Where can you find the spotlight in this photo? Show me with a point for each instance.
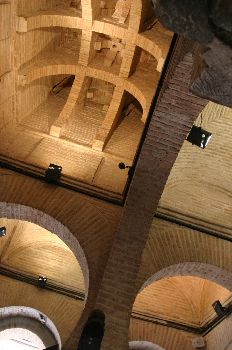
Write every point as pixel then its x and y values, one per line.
pixel 42 281
pixel 2 231
pixel 53 173
pixel 199 137
pixel 219 309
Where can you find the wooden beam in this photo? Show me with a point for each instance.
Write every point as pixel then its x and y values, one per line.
pixel 65 114
pixel 87 11
pixel 87 47
pixel 43 20
pixel 135 15
pixel 111 119
pixel 127 61
pixel 122 10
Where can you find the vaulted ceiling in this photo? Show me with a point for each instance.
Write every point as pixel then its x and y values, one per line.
pixel 199 187
pixel 81 92
pixel 77 80
pixel 186 300
pixel 29 251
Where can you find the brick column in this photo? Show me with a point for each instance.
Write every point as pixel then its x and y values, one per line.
pixel 172 119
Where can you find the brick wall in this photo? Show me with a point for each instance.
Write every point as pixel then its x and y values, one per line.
pixel 171 121
pixel 172 250
pixel 68 214
pixel 164 337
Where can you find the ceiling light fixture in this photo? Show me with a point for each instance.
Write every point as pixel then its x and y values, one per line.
pixel 218 308
pixel 42 281
pixel 199 137
pixel 2 231
pixel 53 173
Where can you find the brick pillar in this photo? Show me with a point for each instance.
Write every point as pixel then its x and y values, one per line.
pixel 172 119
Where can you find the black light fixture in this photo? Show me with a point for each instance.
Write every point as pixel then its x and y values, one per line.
pixel 93 332
pixel 53 173
pixel 54 347
pixel 199 137
pixel 219 309
pixel 123 166
pixel 42 281
pixel 2 231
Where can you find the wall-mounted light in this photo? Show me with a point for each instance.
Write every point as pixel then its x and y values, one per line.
pixel 42 281
pixel 199 137
pixel 53 173
pixel 2 231
pixel 123 166
pixel 218 308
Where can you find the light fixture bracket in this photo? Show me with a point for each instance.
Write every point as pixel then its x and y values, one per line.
pixel 42 281
pixel 53 173
pixel 199 137
pixel 219 309
pixel 2 231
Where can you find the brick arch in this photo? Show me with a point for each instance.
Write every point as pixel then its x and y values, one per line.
pixel 135 15
pixel 50 70
pixel 210 272
pixel 87 9
pixel 33 320
pixel 26 213
pixel 144 345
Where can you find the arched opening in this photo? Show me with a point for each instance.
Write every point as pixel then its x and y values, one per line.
pixel 24 328
pixel 175 304
pixel 40 113
pixel 181 299
pixel 30 251
pixel 207 271
pixel 25 213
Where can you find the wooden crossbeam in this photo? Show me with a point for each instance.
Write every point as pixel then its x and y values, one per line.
pixel 65 114
pixel 122 10
pixel 127 61
pixel 111 119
